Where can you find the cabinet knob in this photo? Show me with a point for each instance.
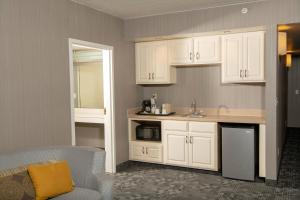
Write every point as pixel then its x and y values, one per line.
pixel 246 73
pixel 149 76
pixel 198 55
pixel 186 139
pixel 191 139
pixel 146 150
pixel 153 76
pixel 191 56
pixel 143 150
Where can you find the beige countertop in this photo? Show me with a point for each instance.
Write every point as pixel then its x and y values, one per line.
pixel 251 119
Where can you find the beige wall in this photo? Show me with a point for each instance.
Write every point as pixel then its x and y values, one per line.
pixel 204 85
pixel 34 78
pixel 265 13
pixel 90 135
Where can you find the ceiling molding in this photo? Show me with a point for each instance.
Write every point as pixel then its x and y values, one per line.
pixel 157 13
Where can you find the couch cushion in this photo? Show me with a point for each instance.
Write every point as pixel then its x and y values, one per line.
pixel 80 194
pixel 50 179
pixel 17 187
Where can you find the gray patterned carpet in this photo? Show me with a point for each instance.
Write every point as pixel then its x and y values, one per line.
pixel 150 181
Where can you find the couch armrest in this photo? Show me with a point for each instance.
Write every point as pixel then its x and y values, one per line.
pixel 85 163
pixel 104 184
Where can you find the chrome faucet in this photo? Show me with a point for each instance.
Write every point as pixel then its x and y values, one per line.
pixel 194 107
pixel 222 106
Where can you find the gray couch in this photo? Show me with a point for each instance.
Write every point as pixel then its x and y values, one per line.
pixel 87 165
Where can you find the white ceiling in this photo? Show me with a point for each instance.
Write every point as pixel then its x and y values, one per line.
pixel 127 9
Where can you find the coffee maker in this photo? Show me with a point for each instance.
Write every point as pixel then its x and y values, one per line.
pixel 146 106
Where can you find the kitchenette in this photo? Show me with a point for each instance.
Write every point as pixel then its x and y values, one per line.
pixel 203 104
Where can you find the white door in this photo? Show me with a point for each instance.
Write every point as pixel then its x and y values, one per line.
pixel 207 49
pixel 202 150
pixel 232 58
pixel 161 68
pixel 97 115
pixel 253 56
pixel 181 51
pixel 144 61
pixel 176 148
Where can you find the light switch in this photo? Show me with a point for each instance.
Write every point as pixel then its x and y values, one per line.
pixel 297 92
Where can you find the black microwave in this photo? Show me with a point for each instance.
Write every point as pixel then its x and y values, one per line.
pixel 150 132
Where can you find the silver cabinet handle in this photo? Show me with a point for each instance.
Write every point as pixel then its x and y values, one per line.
pixel 186 139
pixel 143 150
pixel 246 72
pixel 241 71
pixel 153 76
pixel 149 76
pixel 197 55
pixel 146 150
pixel 191 56
pixel 191 139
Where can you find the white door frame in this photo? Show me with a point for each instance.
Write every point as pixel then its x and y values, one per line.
pixel 109 101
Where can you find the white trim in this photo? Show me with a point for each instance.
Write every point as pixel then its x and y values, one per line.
pixel 262 150
pixel 86 115
pixel 94 115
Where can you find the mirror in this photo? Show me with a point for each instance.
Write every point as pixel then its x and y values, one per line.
pixel 88 78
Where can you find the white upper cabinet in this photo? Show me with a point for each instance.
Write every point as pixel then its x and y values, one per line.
pixel 143 54
pixel 253 56
pixel 152 66
pixel 192 51
pixel 207 50
pixel 243 57
pixel 232 54
pixel 181 51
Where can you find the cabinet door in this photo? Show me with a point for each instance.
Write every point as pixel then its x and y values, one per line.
pixel 207 50
pixel 181 51
pixel 176 148
pixel 144 61
pixel 202 150
pixel 137 152
pixel 253 56
pixel 232 58
pixel 161 67
pixel 154 153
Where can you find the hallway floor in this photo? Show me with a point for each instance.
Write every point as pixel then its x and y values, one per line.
pixel 151 181
pixel 289 175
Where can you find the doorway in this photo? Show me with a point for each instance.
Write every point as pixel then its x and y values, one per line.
pixel 92 98
pixel 288 89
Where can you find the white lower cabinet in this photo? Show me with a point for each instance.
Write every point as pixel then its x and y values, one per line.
pixel 202 150
pixel 197 147
pixel 145 151
pixel 176 148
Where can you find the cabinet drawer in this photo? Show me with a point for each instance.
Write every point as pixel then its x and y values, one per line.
pixel 175 125
pixel 209 127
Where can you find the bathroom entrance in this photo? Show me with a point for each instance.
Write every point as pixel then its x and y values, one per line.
pixel 92 97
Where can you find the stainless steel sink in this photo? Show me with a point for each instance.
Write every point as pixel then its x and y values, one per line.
pixel 197 115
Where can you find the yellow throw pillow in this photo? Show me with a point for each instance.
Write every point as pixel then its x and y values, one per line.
pixel 50 179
